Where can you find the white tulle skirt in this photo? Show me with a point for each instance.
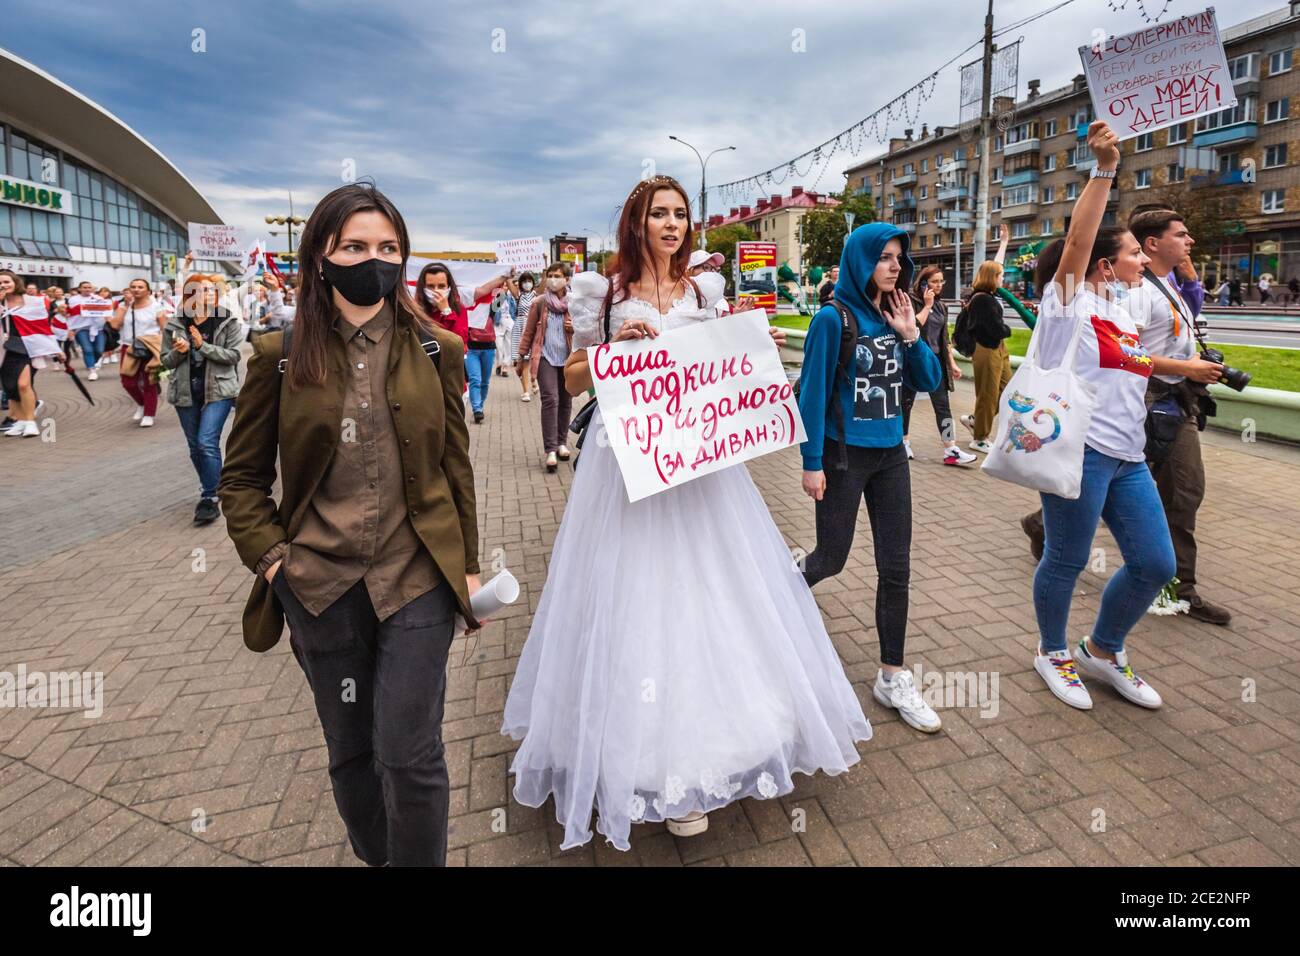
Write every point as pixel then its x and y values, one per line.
pixel 677 660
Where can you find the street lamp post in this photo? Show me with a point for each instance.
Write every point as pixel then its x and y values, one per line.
pixel 290 221
pixel 704 165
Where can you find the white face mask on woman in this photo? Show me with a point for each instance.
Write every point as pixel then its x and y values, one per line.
pixel 555 283
pixel 526 286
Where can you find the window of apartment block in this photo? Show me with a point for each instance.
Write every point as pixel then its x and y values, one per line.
pixel 1272 200
pixel 925 192
pixel 1277 110
pixel 997 143
pixel 1279 62
pixel 1177 134
pixel 1244 67
pixel 1144 142
pixel 1049 194
pixel 1243 112
pixel 1049 162
pixel 908 169
pixel 1018 195
pixel 1275 155
pixel 1143 179
pixel 924 217
pixel 1229 162
pixel 1050 128
pixel 891 199
pixel 1176 172
pixel 921 242
pixel 1020 230
pixel 997 174
pixel 1071 191
pixel 925 165
pixel 997 203
pixel 1045 228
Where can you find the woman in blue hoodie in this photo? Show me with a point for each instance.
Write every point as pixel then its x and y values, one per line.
pixel 853 417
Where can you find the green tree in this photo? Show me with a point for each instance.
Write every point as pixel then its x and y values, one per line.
pixel 723 239
pixel 824 229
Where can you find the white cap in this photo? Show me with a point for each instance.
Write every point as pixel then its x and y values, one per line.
pixel 701 256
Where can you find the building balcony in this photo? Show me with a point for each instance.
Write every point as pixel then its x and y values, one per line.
pixel 956 221
pixel 1236 133
pixel 1020 177
pixel 951 193
pixel 1084 167
pixel 952 166
pixel 1231 178
pixel 908 227
pixel 1020 210
pixel 1246 86
pixel 1030 145
pixel 905 202
pixel 907 179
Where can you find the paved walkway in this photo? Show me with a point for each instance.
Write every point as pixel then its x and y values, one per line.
pixel 209 754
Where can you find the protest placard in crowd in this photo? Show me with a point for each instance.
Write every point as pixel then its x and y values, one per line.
pixel 693 401
pixel 217 241
pixel 523 254
pixel 1159 76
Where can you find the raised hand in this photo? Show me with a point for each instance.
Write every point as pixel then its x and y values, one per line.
pixel 1104 145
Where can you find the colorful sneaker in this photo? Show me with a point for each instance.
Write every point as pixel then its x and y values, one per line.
pixel 901 694
pixel 969 422
pixel 1058 673
pixel 982 447
pixel 952 455
pixel 1119 675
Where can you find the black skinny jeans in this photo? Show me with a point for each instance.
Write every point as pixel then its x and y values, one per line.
pixel 881 477
pixel 379 689
pixel 942 412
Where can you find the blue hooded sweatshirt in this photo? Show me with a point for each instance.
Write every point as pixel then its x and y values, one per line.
pixel 882 366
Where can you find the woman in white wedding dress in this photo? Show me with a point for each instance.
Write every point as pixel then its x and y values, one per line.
pixel 677 661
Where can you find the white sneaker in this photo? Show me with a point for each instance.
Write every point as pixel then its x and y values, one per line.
pixel 907 447
pixel 23 430
pixel 526 397
pixel 982 447
pixel 1119 675
pixel 94 375
pixel 969 422
pixel 139 413
pixel 952 455
pixel 693 824
pixel 901 694
pixel 40 403
pixel 1059 674
pixel 146 421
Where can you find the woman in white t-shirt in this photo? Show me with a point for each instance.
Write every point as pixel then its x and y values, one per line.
pixel 1085 278
pixel 139 319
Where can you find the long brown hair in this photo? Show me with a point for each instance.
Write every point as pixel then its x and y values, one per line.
pixel 453 293
pixel 315 312
pixel 923 280
pixel 633 257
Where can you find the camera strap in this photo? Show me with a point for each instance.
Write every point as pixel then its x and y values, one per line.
pixel 1175 305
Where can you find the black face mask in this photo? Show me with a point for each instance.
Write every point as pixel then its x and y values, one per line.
pixel 364 283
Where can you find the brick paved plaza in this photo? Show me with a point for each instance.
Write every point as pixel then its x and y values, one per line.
pixel 102 570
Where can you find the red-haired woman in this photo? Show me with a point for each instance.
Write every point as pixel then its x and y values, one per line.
pixel 677 661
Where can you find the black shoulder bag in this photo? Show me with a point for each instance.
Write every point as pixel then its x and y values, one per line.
pixel 138 349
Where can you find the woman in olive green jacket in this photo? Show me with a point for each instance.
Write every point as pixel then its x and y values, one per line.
pixel 373 547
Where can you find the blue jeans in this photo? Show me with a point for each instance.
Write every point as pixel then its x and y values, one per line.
pixel 92 346
pixel 202 426
pixel 478 369
pixel 1124 495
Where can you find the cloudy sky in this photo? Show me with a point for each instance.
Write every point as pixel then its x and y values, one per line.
pixel 486 120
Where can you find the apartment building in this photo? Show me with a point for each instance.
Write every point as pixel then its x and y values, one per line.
pixel 776 219
pixel 1040 161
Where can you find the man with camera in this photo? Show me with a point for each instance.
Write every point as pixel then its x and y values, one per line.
pixel 1178 401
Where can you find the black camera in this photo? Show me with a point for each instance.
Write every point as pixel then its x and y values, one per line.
pixel 1234 378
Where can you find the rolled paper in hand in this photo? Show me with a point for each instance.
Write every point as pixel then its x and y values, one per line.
pixel 501 591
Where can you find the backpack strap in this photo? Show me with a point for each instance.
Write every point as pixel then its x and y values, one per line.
pixel 847 327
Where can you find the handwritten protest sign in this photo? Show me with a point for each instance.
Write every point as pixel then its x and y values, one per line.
pixel 1159 76
pixel 522 253
pixel 215 241
pixel 693 401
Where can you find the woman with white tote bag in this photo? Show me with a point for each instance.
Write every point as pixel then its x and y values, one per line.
pixel 1087 337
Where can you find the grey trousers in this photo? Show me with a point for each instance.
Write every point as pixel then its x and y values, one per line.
pixel 379 689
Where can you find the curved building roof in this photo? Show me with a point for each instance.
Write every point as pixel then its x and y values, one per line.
pixel 52 111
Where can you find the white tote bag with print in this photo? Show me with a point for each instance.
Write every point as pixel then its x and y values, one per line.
pixel 1043 419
